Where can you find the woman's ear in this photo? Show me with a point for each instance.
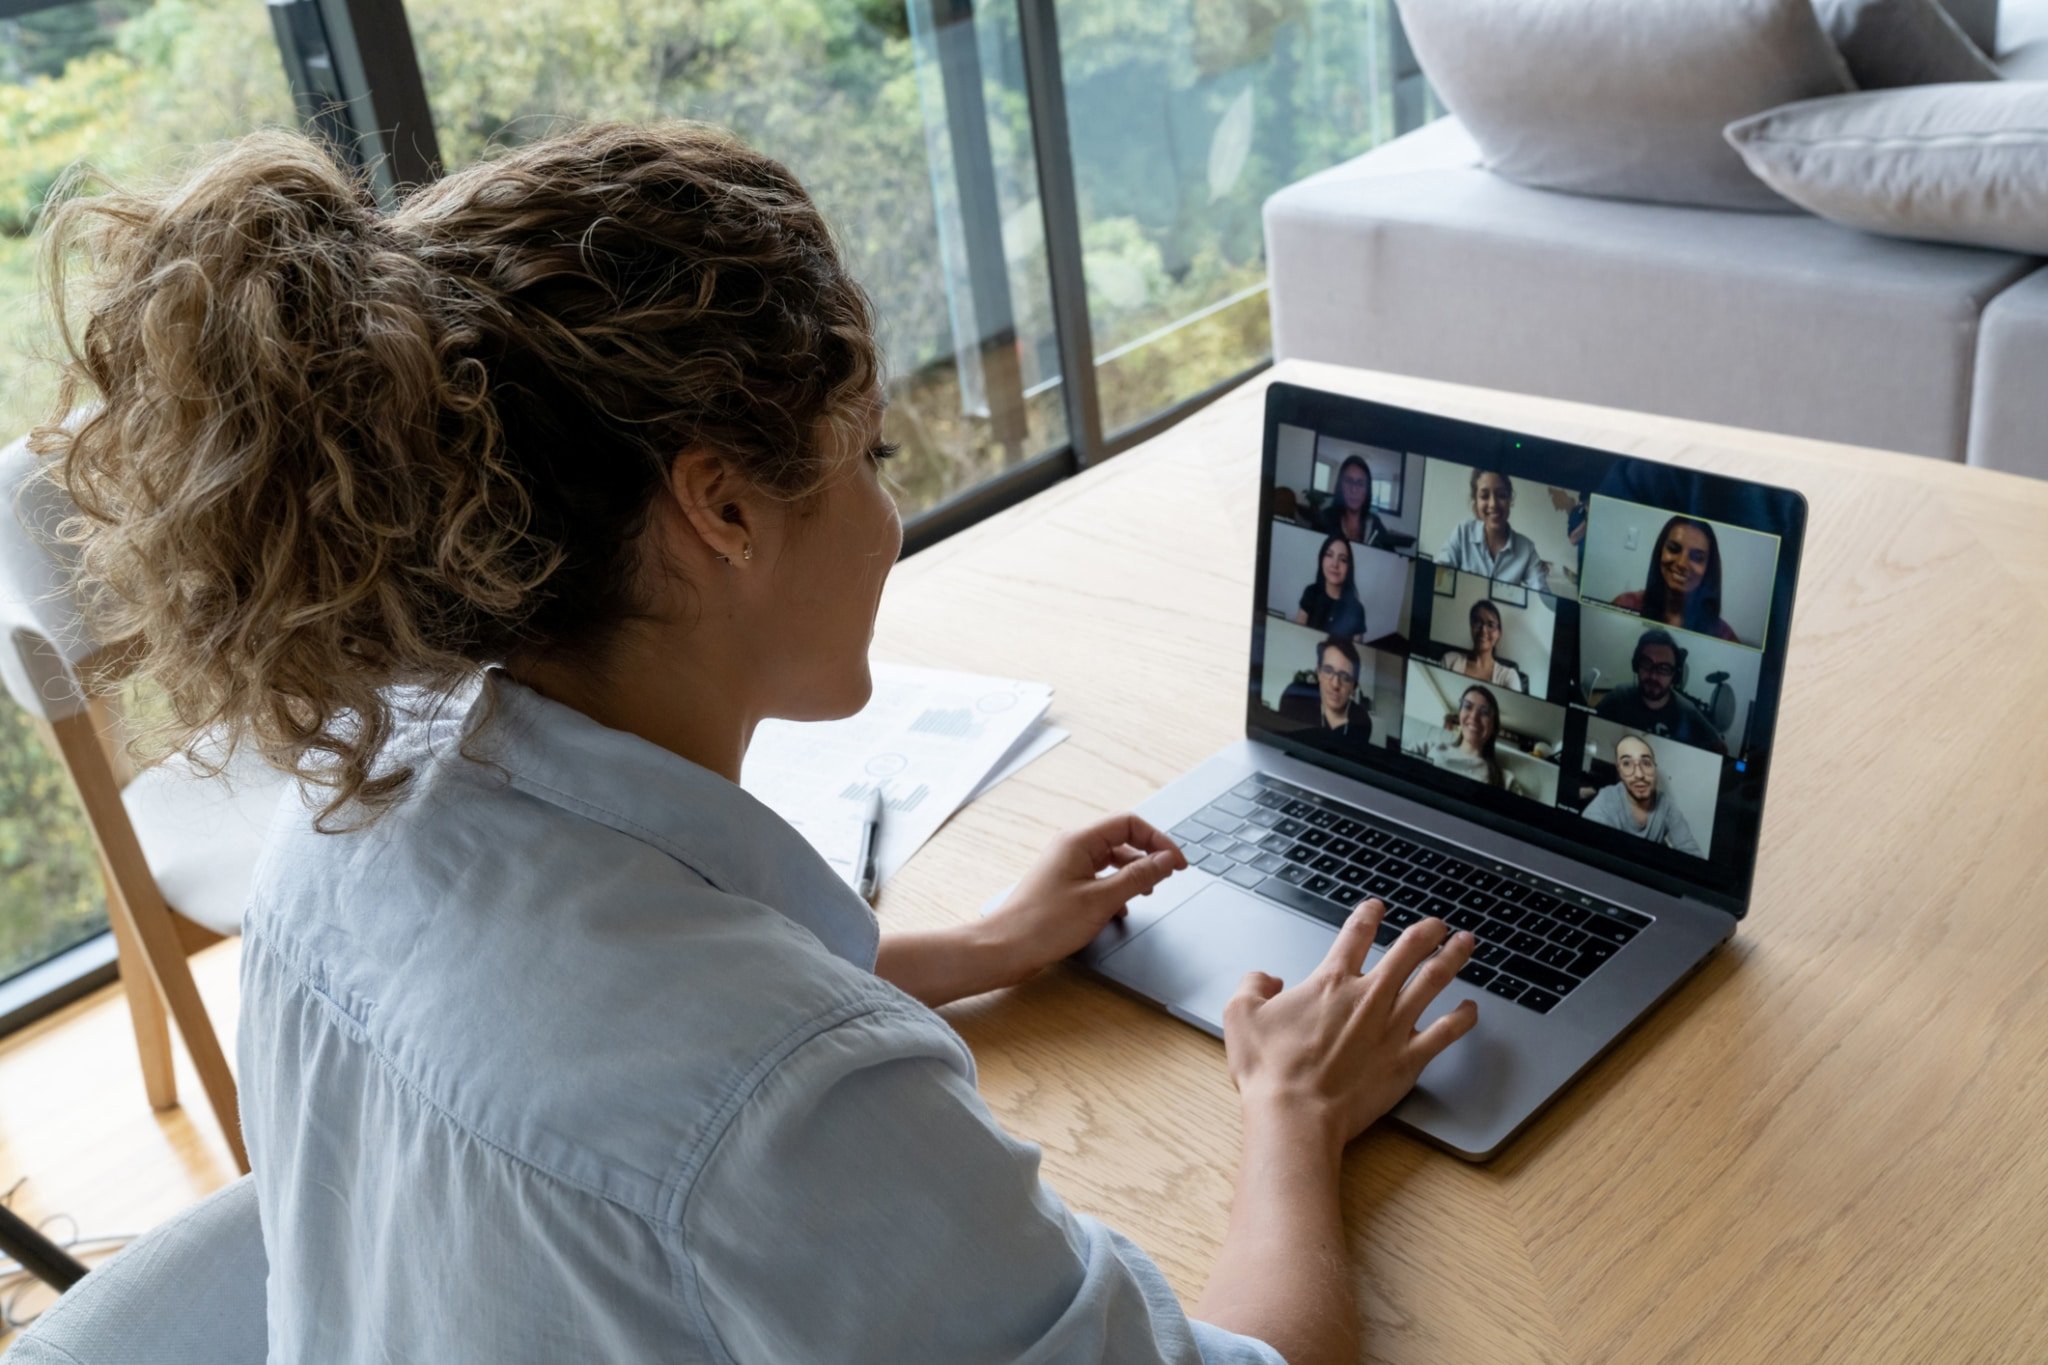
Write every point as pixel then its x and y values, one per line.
pixel 714 504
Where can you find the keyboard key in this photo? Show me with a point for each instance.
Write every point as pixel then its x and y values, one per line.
pixel 1300 853
pixel 1481 881
pixel 1295 875
pixel 1394 867
pixel 1568 936
pixel 1539 1000
pixel 1505 987
pixel 1314 838
pixel 1319 885
pixel 1536 974
pixel 1291 828
pixel 1323 819
pixel 1544 903
pixel 1514 893
pixel 1422 881
pixel 1476 973
pixel 1383 887
pixel 1299 810
pixel 1188 832
pixel 1402 917
pixel 1263 818
pixel 1552 955
pixel 1492 954
pixel 1376 838
pixel 1250 789
pixel 1522 941
pixel 1218 843
pixel 1272 800
pixel 1245 876
pixel 1478 900
pixel 1569 914
pixel 1613 930
pixel 1269 864
pixel 1353 875
pixel 1464 919
pixel 1456 870
pixel 1341 846
pixel 1347 829
pixel 1235 805
pixel 1328 865
pixel 1591 957
pixel 1369 858
pixel 1426 857
pixel 1217 820
pixel 1216 864
pixel 1493 931
pixel 1508 914
pixel 1400 848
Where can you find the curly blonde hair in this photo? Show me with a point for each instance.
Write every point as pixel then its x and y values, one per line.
pixel 336 450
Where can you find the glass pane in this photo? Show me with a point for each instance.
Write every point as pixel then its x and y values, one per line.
pixel 851 95
pixel 130 87
pixel 1184 118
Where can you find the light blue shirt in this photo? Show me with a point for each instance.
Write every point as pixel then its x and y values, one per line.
pixel 1518 562
pixel 577 1055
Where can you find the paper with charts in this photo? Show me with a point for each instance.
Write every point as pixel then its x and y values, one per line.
pixel 931 739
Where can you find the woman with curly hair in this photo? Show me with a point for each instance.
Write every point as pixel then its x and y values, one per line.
pixel 501 519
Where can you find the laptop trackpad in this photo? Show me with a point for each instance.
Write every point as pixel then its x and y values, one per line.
pixel 1194 957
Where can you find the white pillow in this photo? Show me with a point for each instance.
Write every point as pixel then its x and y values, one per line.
pixel 1625 98
pixel 1944 163
pixel 1902 42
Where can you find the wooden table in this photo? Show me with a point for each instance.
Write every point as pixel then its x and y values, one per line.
pixel 1831 1144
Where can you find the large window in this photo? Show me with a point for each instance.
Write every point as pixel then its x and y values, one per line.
pixel 1055 203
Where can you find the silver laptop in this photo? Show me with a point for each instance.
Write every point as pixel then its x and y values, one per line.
pixel 1522 685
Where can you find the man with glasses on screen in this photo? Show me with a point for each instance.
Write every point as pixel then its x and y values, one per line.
pixel 1640 804
pixel 1653 703
pixel 1340 723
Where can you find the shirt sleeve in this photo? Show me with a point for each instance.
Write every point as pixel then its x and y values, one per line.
pixel 864 1206
pixel 1677 832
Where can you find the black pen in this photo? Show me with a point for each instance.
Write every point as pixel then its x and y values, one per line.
pixel 870 842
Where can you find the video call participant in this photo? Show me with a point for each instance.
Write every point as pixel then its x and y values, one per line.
pixel 1349 514
pixel 1487 545
pixel 1653 704
pixel 1472 753
pixel 1330 604
pixel 1639 804
pixel 1683 585
pixel 1338 721
pixel 1484 619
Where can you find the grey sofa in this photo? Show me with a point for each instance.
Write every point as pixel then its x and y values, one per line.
pixel 1414 258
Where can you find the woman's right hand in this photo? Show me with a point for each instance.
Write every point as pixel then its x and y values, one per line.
pixel 1341 1048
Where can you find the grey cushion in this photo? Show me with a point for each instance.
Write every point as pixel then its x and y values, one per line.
pixel 2027 62
pixel 189 1293
pixel 1978 19
pixel 2009 416
pixel 1944 163
pixel 1902 42
pixel 1787 323
pixel 1625 98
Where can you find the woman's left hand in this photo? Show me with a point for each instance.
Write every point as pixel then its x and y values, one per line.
pixel 1065 900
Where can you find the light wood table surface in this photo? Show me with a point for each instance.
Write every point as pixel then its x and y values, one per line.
pixel 1831 1144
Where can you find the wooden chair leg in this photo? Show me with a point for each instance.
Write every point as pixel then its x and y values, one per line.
pixel 145 1011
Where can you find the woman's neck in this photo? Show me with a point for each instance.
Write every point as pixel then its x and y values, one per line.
pixel 1332 591
pixel 1479 663
pixel 1496 541
pixel 654 694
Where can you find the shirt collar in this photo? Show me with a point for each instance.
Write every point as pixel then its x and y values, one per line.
pixel 709 825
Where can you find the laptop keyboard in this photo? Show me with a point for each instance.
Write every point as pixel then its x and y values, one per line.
pixel 1538 941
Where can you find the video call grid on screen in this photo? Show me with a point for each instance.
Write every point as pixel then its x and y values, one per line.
pixel 1578 641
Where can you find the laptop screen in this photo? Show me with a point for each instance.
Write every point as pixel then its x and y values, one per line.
pixel 1581 648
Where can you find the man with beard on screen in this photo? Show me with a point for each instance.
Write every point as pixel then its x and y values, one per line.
pixel 1640 804
pixel 1653 704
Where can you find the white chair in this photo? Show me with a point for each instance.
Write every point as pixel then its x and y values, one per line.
pixel 176 848
pixel 189 1293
